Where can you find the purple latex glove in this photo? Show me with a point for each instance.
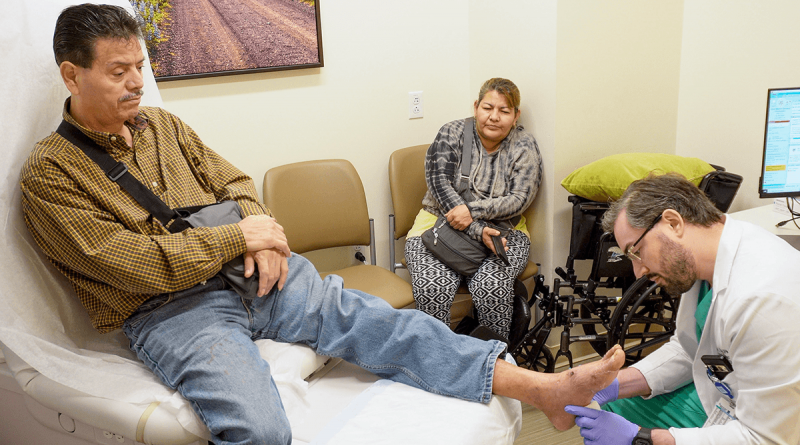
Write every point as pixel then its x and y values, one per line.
pixel 607 394
pixel 602 427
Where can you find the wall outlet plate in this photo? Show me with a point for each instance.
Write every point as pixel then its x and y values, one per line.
pixel 415 105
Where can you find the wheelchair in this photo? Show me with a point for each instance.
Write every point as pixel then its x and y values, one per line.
pixel 640 318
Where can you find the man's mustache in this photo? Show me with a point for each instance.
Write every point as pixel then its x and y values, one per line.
pixel 134 95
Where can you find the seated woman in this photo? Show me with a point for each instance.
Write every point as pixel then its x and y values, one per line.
pixel 505 173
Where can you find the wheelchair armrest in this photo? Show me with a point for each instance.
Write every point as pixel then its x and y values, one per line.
pixel 721 187
pixel 718 168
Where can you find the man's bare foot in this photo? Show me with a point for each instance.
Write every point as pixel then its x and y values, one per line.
pixel 577 386
pixel 552 392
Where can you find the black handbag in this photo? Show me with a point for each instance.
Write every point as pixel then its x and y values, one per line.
pixel 175 220
pixel 453 247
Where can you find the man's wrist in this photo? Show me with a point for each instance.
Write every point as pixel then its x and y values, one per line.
pixel 643 437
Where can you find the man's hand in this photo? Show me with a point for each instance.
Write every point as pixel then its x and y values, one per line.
pixel 262 232
pixel 488 232
pixel 272 268
pixel 459 217
pixel 602 427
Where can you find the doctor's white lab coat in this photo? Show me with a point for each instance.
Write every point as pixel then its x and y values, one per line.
pixel 754 320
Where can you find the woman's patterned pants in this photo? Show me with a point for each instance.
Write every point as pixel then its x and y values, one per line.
pixel 492 286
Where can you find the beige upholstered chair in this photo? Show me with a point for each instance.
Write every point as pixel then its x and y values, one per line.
pixel 408 187
pixel 321 204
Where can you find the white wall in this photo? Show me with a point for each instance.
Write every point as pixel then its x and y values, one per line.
pixel 733 51
pixel 355 107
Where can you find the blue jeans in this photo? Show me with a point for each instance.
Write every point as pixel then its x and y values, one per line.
pixel 200 342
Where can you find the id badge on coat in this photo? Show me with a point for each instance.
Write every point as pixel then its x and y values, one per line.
pixel 724 412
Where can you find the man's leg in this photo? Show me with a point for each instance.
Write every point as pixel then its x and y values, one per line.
pixel 199 343
pixel 407 346
pixel 680 409
pixel 411 347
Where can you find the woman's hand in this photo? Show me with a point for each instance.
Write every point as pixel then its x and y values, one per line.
pixel 459 217
pixel 488 233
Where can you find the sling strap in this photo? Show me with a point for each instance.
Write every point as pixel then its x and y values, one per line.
pixel 466 149
pixel 118 172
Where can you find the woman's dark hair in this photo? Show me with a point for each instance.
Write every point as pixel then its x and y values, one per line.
pixel 79 27
pixel 504 87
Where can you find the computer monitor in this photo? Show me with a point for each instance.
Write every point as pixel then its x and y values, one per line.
pixel 780 166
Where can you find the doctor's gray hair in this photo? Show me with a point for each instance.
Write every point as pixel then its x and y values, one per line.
pixel 79 27
pixel 647 198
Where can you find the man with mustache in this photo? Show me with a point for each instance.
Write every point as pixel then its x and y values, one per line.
pixel 162 289
pixel 729 374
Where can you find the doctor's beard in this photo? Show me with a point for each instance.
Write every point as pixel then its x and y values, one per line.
pixel 680 272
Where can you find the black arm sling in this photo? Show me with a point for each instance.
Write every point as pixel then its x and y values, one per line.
pixel 175 220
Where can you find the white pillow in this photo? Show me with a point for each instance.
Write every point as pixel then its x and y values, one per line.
pixel 291 360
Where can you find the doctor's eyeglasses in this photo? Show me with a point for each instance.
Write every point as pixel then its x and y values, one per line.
pixel 635 255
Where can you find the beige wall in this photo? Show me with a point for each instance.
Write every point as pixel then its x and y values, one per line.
pixel 617 87
pixel 733 51
pixel 355 107
pixel 597 78
pixel 521 46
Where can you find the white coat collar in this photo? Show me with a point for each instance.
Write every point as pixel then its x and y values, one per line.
pixel 726 252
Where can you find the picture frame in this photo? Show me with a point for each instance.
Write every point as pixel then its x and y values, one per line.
pixel 189 39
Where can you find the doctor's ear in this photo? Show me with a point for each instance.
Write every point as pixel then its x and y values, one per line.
pixel 675 221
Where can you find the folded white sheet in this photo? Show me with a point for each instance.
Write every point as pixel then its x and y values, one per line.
pixel 400 414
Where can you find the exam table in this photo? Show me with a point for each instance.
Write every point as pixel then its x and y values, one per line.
pixel 62 382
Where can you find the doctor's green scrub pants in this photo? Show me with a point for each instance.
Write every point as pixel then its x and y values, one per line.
pixel 680 408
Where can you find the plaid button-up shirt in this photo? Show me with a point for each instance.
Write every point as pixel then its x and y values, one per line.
pixel 115 254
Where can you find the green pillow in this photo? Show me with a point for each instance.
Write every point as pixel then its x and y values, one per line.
pixel 606 179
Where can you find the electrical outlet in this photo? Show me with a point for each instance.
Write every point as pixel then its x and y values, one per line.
pixel 415 104
pixel 359 255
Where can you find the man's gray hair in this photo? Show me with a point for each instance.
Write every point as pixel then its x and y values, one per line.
pixel 647 198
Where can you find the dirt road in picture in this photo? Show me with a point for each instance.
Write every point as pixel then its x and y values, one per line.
pixel 206 36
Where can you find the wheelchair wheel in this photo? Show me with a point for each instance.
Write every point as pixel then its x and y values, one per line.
pixel 643 319
pixel 543 362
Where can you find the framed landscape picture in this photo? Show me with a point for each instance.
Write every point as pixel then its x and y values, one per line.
pixel 201 38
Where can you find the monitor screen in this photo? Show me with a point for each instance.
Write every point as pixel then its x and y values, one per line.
pixel 780 166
